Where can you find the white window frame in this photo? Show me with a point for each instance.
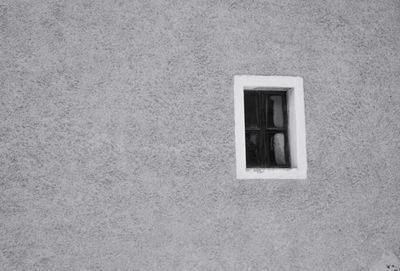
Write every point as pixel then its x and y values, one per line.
pixel 296 126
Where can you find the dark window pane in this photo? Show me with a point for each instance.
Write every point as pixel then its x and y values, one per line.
pixel 278 149
pixel 252 151
pixel 274 111
pixel 250 109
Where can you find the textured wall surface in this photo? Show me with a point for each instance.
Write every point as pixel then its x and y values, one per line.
pixel 117 135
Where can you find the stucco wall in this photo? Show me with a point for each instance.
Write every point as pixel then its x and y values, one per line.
pixel 117 135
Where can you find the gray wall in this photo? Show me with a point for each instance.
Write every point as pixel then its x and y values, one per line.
pixel 117 135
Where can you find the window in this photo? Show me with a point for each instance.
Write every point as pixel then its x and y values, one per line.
pixel 266 129
pixel 270 127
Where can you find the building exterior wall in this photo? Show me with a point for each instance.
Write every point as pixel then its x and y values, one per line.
pixel 117 135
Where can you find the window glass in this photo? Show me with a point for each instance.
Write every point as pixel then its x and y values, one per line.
pixel 266 129
pixel 274 111
pixel 251 114
pixel 252 143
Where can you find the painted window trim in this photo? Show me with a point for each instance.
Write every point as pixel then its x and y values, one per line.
pixel 296 126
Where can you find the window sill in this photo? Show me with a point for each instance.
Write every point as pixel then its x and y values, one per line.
pixel 272 173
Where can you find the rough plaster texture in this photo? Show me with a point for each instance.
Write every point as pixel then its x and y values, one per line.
pixel 388 262
pixel 117 135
